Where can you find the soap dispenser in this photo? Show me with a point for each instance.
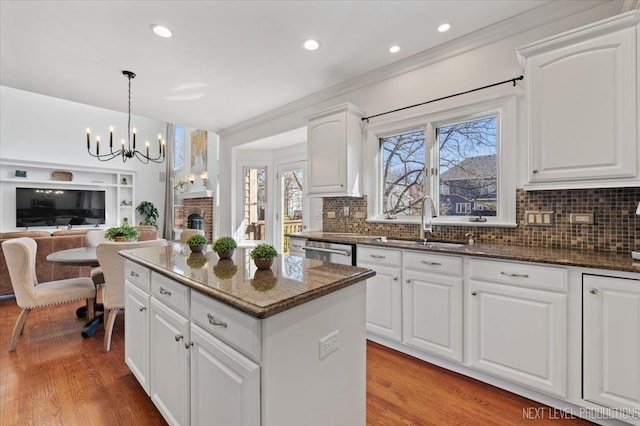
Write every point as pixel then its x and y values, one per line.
pixel 470 236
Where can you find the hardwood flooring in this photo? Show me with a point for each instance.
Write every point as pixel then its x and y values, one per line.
pixel 58 378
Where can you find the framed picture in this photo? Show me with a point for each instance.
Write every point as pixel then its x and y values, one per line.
pixel 178 147
pixel 198 151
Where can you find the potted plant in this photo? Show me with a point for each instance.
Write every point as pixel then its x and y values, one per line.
pixel 150 213
pixel 263 255
pixel 224 246
pixel 225 269
pixel 122 233
pixel 197 242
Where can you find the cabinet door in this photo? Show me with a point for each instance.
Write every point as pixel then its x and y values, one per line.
pixel 519 334
pixel 225 385
pixel 432 313
pixel 611 368
pixel 327 139
pixel 136 333
pixel 169 375
pixel 582 100
pixel 384 302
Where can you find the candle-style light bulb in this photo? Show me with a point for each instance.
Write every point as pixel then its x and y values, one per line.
pixel 164 149
pixel 122 150
pixel 147 148
pixel 159 144
pixel 111 137
pixel 134 138
pixel 98 145
pixel 88 139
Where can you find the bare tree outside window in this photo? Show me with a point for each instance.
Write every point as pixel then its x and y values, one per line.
pixel 466 176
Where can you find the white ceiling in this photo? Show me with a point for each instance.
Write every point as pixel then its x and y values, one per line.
pixel 227 60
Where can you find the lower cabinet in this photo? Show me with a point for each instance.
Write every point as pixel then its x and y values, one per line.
pixel 519 334
pixel 611 333
pixel 225 385
pixel 169 373
pixel 136 336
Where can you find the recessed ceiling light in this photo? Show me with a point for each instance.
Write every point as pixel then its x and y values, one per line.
pixel 311 44
pixel 161 30
pixel 394 49
pixel 444 27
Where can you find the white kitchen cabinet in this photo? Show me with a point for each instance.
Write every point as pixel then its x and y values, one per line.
pixel 517 332
pixel 225 385
pixel 582 101
pixel 432 304
pixel 384 291
pixel 296 246
pixel 334 150
pixel 611 321
pixel 169 374
pixel 136 333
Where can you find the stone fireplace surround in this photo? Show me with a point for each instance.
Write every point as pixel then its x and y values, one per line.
pixel 201 206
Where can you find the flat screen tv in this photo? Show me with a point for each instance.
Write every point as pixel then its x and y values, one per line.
pixel 59 207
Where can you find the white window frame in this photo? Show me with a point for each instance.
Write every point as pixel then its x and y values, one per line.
pixel 504 108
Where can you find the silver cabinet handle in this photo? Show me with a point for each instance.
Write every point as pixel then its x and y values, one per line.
pixel 187 345
pixel 178 337
pixel 395 278
pixel 473 293
pixel 426 262
pixel 163 291
pixel 408 281
pixel 511 274
pixel 134 274
pixel 377 256
pixel 214 321
pixel 326 250
pixel 593 291
pixel 142 308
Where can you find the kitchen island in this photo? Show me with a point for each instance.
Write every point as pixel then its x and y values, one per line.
pixel 219 342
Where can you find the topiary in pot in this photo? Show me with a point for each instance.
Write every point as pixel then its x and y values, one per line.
pixel 197 242
pixel 122 233
pixel 224 246
pixel 263 255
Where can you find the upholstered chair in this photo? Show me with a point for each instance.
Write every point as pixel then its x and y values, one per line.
pixel 113 292
pixel 147 232
pixel 20 254
pixel 93 238
pixel 184 235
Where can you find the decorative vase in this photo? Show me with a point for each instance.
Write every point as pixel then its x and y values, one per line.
pixel 225 254
pixel 263 263
pixel 198 248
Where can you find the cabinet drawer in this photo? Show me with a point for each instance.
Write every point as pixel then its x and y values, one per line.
pixel 234 327
pixel 138 275
pixel 170 292
pixel 379 256
pixel 524 274
pixel 428 262
pixel 295 246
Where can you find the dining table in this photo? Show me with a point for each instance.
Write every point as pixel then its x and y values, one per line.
pixel 81 256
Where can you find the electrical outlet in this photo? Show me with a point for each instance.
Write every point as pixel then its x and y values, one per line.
pixel 581 218
pixel 331 215
pixel 345 211
pixel 329 343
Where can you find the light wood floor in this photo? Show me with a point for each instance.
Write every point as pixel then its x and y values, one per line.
pixel 58 378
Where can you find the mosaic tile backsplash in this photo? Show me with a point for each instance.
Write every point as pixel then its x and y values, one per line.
pixel 615 228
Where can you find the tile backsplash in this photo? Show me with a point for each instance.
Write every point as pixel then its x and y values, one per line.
pixel 615 226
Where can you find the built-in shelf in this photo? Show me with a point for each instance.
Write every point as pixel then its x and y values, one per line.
pixel 58 182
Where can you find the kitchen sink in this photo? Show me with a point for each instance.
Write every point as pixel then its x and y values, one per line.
pixel 419 242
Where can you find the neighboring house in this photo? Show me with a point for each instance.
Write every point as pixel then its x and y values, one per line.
pixel 470 187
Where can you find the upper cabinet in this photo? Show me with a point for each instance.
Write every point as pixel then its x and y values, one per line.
pixel 334 147
pixel 582 102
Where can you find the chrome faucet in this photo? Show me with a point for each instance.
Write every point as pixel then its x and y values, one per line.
pixel 430 213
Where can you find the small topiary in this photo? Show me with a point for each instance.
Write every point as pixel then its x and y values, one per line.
pixel 196 240
pixel 263 252
pixel 223 244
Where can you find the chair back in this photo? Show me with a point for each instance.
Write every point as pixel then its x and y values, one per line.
pixel 184 235
pixel 147 232
pixel 95 237
pixel 113 269
pixel 20 255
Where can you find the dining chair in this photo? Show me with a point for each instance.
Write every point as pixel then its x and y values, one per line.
pixel 93 238
pixel 147 232
pixel 184 235
pixel 113 291
pixel 20 255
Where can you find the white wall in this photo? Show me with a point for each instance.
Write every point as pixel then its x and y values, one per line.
pixel 45 129
pixel 485 65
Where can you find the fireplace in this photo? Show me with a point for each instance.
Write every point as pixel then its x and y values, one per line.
pixel 195 221
pixel 196 213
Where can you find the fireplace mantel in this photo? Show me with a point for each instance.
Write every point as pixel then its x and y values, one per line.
pixel 196 194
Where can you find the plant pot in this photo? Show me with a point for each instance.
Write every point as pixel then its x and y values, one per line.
pixel 197 249
pixel 263 263
pixel 125 240
pixel 225 254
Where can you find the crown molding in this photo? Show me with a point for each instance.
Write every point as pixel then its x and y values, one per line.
pixel 523 22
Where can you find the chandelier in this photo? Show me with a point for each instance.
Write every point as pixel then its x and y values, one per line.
pixel 128 151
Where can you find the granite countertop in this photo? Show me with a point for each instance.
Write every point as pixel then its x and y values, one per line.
pixel 290 282
pixel 567 257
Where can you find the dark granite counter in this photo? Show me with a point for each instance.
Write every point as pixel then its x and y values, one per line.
pixel 290 282
pixel 581 258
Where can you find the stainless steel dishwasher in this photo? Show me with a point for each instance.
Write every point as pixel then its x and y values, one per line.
pixel 344 254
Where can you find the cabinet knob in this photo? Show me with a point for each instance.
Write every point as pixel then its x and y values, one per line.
pixel 178 337
pixel 395 278
pixel 534 171
pixel 474 293
pixel 593 291
pixel 142 308
pixel 408 281
pixel 187 345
